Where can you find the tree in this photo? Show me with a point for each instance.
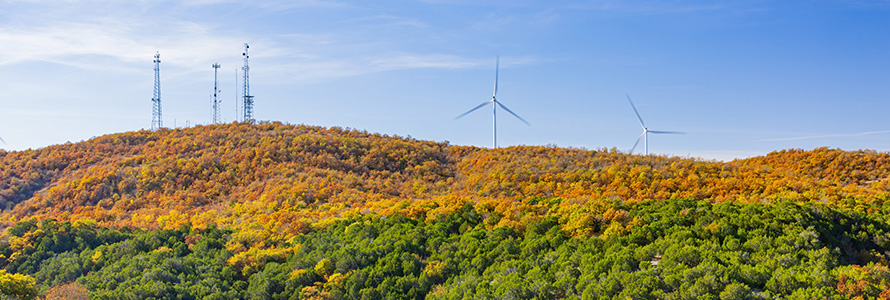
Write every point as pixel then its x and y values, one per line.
pixel 324 268
pixel 68 291
pixel 17 285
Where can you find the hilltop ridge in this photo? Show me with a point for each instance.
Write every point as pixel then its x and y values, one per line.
pixel 298 175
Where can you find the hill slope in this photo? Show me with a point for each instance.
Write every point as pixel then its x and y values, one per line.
pixel 235 173
pixel 298 212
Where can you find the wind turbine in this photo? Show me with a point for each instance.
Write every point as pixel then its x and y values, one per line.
pixel 646 131
pixel 495 103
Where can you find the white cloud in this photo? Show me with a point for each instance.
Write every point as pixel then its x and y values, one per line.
pixel 725 155
pixel 439 61
pixel 825 136
pixel 125 37
pixel 120 47
pixel 653 7
pixel 389 20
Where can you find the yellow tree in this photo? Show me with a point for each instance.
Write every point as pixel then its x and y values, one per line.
pixel 17 285
pixel 68 291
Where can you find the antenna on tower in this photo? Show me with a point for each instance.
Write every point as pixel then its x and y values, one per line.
pixel 216 91
pixel 248 99
pixel 156 122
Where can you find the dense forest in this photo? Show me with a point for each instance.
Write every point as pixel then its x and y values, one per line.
pixel 276 211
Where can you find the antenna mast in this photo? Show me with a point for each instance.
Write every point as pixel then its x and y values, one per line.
pixel 156 122
pixel 248 99
pixel 216 119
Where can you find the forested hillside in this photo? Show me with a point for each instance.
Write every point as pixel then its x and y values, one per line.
pixel 300 212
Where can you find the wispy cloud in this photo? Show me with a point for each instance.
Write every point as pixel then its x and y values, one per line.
pixel 811 137
pixel 117 47
pixel 82 32
pixel 654 7
pixel 725 155
pixel 124 38
pixel 439 61
pixel 326 68
pixel 388 20
pixel 321 69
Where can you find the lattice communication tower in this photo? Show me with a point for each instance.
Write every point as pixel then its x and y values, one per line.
pixel 156 121
pixel 248 99
pixel 216 101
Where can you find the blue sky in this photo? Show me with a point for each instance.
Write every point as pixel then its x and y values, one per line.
pixel 741 78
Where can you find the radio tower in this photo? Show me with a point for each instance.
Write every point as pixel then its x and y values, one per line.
pixel 156 122
pixel 216 101
pixel 248 99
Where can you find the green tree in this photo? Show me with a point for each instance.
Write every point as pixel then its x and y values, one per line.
pixel 324 268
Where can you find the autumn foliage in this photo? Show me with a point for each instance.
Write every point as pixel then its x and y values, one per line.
pixel 278 180
pixel 269 183
pixel 68 291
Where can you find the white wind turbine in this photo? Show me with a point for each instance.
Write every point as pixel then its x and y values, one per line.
pixel 646 131
pixel 495 103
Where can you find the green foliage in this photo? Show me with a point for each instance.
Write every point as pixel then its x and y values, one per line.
pixel 324 268
pixel 676 249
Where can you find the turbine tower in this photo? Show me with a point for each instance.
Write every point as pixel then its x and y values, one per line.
pixel 646 131
pixel 494 109
pixel 248 99
pixel 156 122
pixel 216 101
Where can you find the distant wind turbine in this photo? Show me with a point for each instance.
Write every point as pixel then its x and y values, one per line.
pixel 495 103
pixel 646 131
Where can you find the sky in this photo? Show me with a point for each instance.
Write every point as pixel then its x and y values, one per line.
pixel 740 78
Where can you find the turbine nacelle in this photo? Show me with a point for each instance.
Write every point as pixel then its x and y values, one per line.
pixel 645 135
pixel 495 104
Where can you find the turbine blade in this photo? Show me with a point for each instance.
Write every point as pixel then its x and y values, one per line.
pixel 497 66
pixel 666 132
pixel 512 113
pixel 1 140
pixel 635 111
pixel 475 108
pixel 636 143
